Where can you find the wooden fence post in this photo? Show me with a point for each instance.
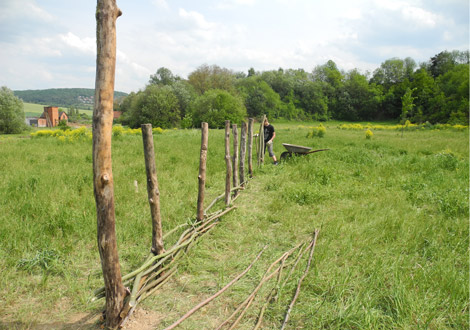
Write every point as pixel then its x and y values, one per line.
pixel 250 147
pixel 152 189
pixel 261 142
pixel 235 157
pixel 107 13
pixel 227 162
pixel 202 171
pixel 242 152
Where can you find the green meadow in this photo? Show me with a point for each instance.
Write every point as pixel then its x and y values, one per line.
pixel 392 252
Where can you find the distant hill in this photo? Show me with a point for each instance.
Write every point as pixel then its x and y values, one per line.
pixel 82 98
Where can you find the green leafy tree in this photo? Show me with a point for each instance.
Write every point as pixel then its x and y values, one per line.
pixel 156 105
pixel 73 114
pixel 280 81
pixel 215 107
pixel 185 94
pixel 211 77
pixel 12 120
pixel 360 100
pixel 426 90
pixel 163 76
pixel 332 82
pixel 259 97
pixel 310 98
pixel 446 61
pixel 455 86
pixel 407 106
pixel 393 71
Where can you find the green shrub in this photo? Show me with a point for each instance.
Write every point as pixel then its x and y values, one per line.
pixel 318 131
pixel 215 107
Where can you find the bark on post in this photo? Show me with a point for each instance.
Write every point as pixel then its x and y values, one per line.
pixel 235 157
pixel 202 171
pixel 107 13
pixel 261 142
pixel 227 162
pixel 250 146
pixel 152 189
pixel 242 152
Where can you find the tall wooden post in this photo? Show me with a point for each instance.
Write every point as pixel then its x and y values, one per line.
pixel 250 146
pixel 152 189
pixel 235 157
pixel 242 152
pixel 107 13
pixel 261 142
pixel 202 171
pixel 227 162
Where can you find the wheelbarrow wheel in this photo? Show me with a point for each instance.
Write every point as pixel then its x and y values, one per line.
pixel 285 155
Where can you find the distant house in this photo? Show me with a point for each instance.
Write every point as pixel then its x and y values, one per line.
pixel 49 118
pixel 32 121
pixel 117 114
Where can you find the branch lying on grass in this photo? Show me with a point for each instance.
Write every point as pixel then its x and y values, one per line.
pixel 240 187
pixel 312 248
pixel 156 269
pixel 243 307
pixel 205 302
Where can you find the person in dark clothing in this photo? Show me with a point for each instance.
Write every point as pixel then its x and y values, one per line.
pixel 269 135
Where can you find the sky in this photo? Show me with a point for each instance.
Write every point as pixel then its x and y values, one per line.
pixel 52 43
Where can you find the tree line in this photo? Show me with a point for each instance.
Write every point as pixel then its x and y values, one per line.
pixel 438 90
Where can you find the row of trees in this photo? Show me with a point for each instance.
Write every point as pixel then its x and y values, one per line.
pixel 439 90
pixel 62 97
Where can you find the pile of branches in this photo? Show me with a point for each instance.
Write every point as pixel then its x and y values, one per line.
pixel 156 270
pixel 288 261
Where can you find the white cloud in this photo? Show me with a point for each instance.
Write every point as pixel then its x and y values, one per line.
pixel 196 18
pixel 161 3
pixel 14 9
pixel 411 13
pixel 124 59
pixel 85 45
pixel 420 16
pixel 352 14
pixel 232 4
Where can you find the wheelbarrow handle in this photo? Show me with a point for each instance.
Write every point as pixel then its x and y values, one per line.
pixel 311 152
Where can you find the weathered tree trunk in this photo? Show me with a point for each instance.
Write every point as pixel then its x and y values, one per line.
pixel 227 162
pixel 261 142
pixel 250 147
pixel 242 152
pixel 107 13
pixel 152 189
pixel 235 157
pixel 202 171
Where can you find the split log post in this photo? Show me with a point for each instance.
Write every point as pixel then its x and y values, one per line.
pixel 242 153
pixel 107 13
pixel 261 142
pixel 227 162
pixel 250 147
pixel 202 171
pixel 152 189
pixel 235 157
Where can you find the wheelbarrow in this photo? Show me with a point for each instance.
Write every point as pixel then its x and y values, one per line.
pixel 293 149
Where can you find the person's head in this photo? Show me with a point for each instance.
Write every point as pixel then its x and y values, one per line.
pixel 266 122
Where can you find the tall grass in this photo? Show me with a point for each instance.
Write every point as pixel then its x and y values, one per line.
pixel 393 212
